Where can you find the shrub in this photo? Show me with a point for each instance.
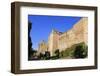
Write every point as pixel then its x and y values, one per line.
pixel 80 51
pixel 75 51
pixel 57 53
pixel 47 55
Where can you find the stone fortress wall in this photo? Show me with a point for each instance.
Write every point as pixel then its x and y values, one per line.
pixel 61 41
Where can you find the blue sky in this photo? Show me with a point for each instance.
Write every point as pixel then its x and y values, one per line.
pixel 42 25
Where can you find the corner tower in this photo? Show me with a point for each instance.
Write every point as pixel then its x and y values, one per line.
pixel 53 41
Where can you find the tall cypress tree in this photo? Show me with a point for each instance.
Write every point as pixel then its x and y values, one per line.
pixel 29 40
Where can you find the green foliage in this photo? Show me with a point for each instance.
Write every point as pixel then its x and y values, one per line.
pixel 80 51
pixel 47 55
pixel 57 53
pixel 53 57
pixel 41 56
pixel 75 51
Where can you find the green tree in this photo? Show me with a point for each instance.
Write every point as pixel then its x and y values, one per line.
pixel 80 51
pixel 41 56
pixel 61 53
pixel 47 55
pixel 57 53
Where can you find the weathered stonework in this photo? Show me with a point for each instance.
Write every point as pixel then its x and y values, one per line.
pixel 61 41
pixel 42 47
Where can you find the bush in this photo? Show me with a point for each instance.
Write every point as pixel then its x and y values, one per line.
pixel 41 56
pixel 47 55
pixel 61 53
pixel 57 53
pixel 80 51
pixel 53 57
pixel 75 51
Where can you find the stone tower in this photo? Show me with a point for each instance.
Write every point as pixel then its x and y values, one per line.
pixel 43 47
pixel 53 41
